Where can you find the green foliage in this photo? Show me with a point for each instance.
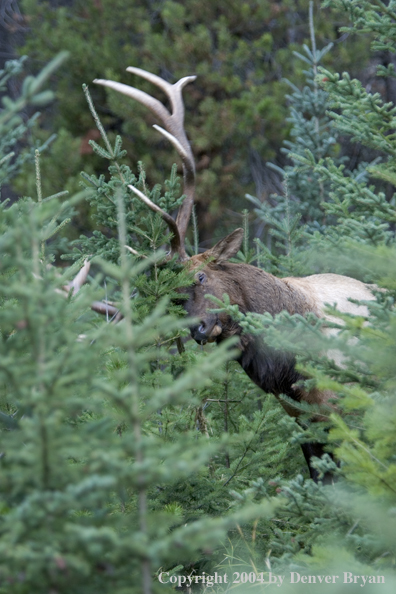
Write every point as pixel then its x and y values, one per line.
pixel 376 18
pixel 13 128
pixel 127 451
pixel 86 444
pixel 357 209
pixel 240 52
pixel 311 130
pixel 120 455
pixel 282 255
pixel 289 218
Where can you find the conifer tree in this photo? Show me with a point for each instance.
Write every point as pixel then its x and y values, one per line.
pixel 358 207
pixel 312 129
pixel 289 218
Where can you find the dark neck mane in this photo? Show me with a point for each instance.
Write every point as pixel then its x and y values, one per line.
pixel 255 290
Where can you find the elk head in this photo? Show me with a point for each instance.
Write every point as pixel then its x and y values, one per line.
pixel 212 278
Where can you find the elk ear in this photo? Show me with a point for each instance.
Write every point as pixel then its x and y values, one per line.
pixel 227 247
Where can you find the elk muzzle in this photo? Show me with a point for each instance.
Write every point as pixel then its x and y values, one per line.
pixel 206 331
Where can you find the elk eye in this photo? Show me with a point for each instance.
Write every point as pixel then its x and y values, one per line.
pixel 201 277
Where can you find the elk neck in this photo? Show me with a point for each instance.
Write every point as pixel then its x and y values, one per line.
pixel 255 290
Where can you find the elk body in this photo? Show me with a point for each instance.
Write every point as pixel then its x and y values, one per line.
pixel 251 288
pixel 255 290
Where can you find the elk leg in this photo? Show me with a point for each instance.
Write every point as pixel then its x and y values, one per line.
pixel 316 449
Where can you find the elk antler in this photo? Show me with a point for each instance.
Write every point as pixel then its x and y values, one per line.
pixel 175 133
pixel 102 307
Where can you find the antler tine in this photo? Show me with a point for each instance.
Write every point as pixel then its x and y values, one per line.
pixel 102 307
pixel 174 122
pixel 175 133
pixel 156 106
pixel 79 279
pixel 106 309
pixel 175 240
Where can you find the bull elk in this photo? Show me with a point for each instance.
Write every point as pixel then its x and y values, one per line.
pixel 251 288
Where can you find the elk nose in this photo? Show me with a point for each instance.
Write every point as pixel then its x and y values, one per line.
pixel 199 333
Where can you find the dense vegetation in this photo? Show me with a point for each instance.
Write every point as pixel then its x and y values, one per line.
pixel 128 453
pixel 241 53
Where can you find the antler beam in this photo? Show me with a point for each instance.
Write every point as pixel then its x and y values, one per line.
pixel 175 133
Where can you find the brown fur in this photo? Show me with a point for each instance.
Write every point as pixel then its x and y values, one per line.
pixel 255 290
